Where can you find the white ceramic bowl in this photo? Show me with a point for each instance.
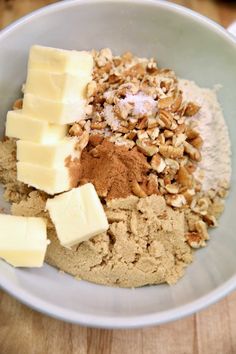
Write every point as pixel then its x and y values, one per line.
pixel 197 49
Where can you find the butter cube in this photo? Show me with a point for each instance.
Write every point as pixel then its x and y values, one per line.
pixel 57 86
pixel 56 112
pixel 50 180
pixel 21 126
pixel 23 240
pixel 48 155
pixel 60 60
pixel 77 215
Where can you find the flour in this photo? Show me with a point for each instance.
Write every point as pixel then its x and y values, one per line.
pixel 215 165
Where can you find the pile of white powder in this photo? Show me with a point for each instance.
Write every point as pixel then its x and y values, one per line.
pixel 216 151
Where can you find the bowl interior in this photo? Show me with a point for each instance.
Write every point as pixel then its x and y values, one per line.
pixel 196 49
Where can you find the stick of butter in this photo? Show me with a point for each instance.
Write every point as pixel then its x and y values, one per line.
pixel 60 60
pixel 77 215
pixel 23 240
pixel 48 155
pixel 21 126
pixel 56 86
pixel 51 180
pixel 52 111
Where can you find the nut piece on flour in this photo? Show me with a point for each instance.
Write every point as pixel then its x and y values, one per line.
pixel 23 240
pixel 77 215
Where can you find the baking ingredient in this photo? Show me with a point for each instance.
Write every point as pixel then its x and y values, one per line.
pixel 20 126
pixel 59 60
pixel 141 104
pixel 77 215
pixel 23 240
pixel 57 86
pixel 114 170
pixel 209 121
pixel 51 180
pixel 48 155
pixel 54 92
pixel 52 111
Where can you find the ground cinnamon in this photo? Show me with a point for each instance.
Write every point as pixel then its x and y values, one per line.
pixel 112 169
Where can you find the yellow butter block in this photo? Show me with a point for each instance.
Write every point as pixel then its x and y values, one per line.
pixel 23 240
pixel 21 126
pixel 57 86
pixel 48 155
pixel 50 180
pixel 77 215
pixel 55 112
pixel 60 60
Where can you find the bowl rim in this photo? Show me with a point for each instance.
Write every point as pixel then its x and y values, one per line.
pixel 128 321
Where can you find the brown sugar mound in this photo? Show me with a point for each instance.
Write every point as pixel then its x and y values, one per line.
pixel 145 244
pixel 113 169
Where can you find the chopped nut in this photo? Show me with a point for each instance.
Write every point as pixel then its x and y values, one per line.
pixel 191 133
pixel 83 141
pixel 98 125
pixel 130 135
pixel 168 133
pixel 172 164
pixel 142 123
pixel 165 102
pixel 194 240
pixel 91 89
pixel 190 166
pixel 142 134
pixel 157 163
pixel 200 206
pixel 210 220
pixel 176 200
pixel 202 230
pixel 197 142
pixel 165 119
pixel 177 103
pixel 172 188
pixel 180 129
pixel 161 138
pixel 192 151
pixel 146 147
pixel 188 195
pixel 191 109
pixel 152 122
pixel 152 185
pixel 178 139
pixel 184 177
pixel 171 151
pixel 76 130
pixel 217 207
pixel 153 133
pixel 137 190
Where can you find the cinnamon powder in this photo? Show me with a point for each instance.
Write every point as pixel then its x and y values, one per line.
pixel 112 169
